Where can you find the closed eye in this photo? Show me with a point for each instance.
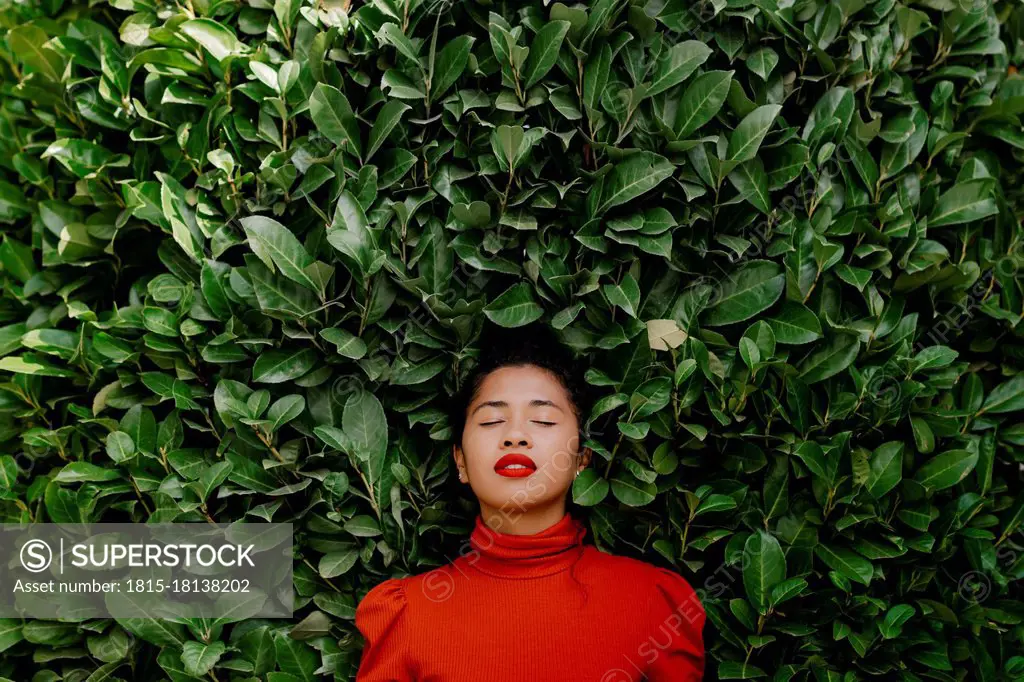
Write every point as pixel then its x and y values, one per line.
pixel 535 422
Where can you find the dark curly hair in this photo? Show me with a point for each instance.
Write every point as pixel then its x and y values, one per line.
pixel 533 344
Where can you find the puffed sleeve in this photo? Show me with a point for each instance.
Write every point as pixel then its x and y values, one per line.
pixel 677 631
pixel 382 619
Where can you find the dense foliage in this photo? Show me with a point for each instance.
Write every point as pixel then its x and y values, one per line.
pixel 248 247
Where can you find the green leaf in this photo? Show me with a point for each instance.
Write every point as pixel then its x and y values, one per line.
pixel 334 564
pixel 506 141
pixel 762 62
pixel 747 291
pixel 886 469
pixel 845 562
pixel 1006 397
pixel 61 504
pixel 212 477
pixel 965 202
pixel 650 397
pixel 451 62
pixel 392 34
pixel 350 234
pixel 80 472
pixel 795 324
pixel 285 410
pixel 589 488
pixel 274 244
pixel 632 178
pixel 57 342
pixel 160 321
pixel 787 589
pixel 334 118
pixel 278 366
pixel 715 503
pixel 199 658
pixel 120 447
pixel 515 307
pixel 295 658
pixel 746 139
pixel 946 469
pixel 401 86
pixel 17 259
pixel 735 670
pixel 751 182
pixel 544 52
pixel 892 625
pixel 347 344
pixel 389 116
pixel 764 567
pixel 27 42
pixel 630 491
pixel 363 526
pixel 31 365
pixel 677 64
pixel 366 426
pixel 215 37
pixel 830 359
pixel 815 459
pixel 625 294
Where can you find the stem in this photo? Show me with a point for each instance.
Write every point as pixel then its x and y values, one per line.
pixel 504 197
pixel 326 580
pixel 270 446
pixel 813 284
pixel 212 428
pixel 611 459
pixel 369 491
pixel 138 494
pixel 366 305
pixel 206 513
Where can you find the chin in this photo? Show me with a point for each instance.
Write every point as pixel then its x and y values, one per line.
pixel 522 502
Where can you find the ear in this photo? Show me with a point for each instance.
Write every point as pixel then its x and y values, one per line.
pixel 458 455
pixel 585 456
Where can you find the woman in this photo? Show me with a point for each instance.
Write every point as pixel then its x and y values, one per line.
pixel 526 600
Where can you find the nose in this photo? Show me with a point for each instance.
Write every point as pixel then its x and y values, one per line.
pixel 516 436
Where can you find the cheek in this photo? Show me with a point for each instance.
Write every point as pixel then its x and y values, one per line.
pixel 477 443
pixel 561 433
pixel 559 441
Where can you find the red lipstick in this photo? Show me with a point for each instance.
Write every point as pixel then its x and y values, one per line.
pixel 515 465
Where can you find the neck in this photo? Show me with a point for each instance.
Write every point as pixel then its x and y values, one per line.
pixel 515 521
pixel 526 555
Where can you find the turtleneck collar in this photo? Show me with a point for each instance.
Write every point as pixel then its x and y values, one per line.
pixel 506 555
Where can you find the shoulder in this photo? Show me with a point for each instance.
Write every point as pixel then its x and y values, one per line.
pixel 678 596
pixel 382 607
pixel 382 618
pixel 389 590
pixel 620 566
pixel 675 625
pixel 659 587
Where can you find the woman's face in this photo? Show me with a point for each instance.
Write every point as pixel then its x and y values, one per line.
pixel 520 445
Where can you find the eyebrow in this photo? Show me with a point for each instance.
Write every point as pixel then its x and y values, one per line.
pixel 501 403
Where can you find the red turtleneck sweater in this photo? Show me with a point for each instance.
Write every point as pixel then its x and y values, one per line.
pixel 543 608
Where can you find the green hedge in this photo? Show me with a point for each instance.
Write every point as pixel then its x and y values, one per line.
pixel 248 248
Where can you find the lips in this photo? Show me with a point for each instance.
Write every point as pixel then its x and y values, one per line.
pixel 515 465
